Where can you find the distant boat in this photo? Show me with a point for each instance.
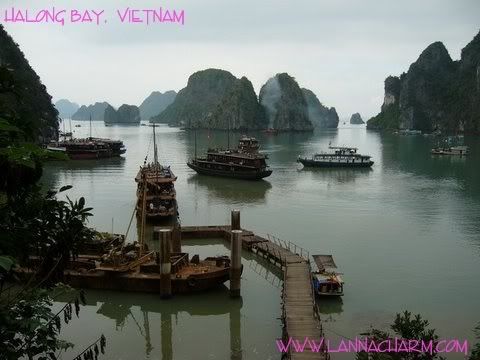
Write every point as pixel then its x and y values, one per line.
pixel 340 157
pixel 271 131
pixel 78 125
pixel 451 150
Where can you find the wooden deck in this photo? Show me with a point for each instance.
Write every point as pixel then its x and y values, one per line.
pixel 299 311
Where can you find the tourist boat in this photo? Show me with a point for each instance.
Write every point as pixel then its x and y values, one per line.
pixel 326 281
pixel 88 148
pixel 245 162
pixel 339 157
pixel 156 194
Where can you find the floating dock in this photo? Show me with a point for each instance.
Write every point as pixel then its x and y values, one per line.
pixel 300 316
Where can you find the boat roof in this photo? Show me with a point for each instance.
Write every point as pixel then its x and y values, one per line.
pixel 342 148
pixel 324 261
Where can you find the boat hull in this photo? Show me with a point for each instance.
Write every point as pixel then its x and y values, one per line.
pixel 332 164
pixel 244 174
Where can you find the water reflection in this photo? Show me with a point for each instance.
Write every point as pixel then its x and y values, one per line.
pixel 336 175
pixel 233 191
pixel 121 306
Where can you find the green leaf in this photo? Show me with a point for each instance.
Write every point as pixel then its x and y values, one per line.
pixel 6 263
pixel 65 188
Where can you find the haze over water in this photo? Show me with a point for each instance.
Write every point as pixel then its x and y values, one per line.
pixel 406 235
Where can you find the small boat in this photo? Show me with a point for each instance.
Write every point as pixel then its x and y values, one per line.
pixel 339 157
pixel 451 150
pixel 270 131
pixel 78 125
pixel 245 162
pixel 326 281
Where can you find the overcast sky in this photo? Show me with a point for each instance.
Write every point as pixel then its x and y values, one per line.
pixel 341 49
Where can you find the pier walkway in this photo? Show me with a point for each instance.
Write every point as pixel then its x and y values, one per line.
pixel 300 316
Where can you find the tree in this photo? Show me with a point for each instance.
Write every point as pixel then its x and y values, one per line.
pixel 405 327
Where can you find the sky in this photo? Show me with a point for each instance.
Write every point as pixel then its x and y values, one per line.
pixel 342 50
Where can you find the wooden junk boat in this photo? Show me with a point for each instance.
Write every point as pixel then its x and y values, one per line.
pixel 326 281
pixel 156 193
pixel 87 148
pixel 245 162
pixel 339 157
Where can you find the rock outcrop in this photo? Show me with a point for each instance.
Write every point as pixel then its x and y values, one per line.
pixel 436 93
pixel 214 98
pixel 95 111
pixel 356 119
pixel 320 116
pixel 126 114
pixel 66 108
pixel 155 103
pixel 24 100
pixel 285 105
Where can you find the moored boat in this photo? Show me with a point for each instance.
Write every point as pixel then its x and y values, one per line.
pixel 326 281
pixel 156 195
pixel 339 157
pixel 245 162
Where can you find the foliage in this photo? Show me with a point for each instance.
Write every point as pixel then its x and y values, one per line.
pixel 34 223
pixel 389 118
pixel 475 355
pixel 24 101
pixel 406 327
pixel 28 327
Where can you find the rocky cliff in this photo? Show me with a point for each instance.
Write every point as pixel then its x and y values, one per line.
pixel 155 103
pixel 285 105
pixel 356 119
pixel 95 111
pixel 435 93
pixel 24 100
pixel 320 115
pixel 126 114
pixel 66 108
pixel 214 99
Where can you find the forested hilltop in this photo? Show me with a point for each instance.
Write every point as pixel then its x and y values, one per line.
pixel 436 93
pixel 216 99
pixel 24 100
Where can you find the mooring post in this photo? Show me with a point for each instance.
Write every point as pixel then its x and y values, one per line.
pixel 165 237
pixel 235 263
pixel 236 220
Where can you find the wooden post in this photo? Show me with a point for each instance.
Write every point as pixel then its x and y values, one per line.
pixel 235 263
pixel 165 237
pixel 236 220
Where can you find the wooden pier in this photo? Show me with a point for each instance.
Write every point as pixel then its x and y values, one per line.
pixel 300 316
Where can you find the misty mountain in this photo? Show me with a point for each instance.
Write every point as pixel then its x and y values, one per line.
pixel 285 104
pixel 126 114
pixel 435 93
pixel 320 116
pixel 155 103
pixel 356 119
pixel 66 108
pixel 96 111
pixel 216 99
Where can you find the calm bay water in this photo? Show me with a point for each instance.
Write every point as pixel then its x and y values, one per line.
pixel 406 235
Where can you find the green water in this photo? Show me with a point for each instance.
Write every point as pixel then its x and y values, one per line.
pixel 406 235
